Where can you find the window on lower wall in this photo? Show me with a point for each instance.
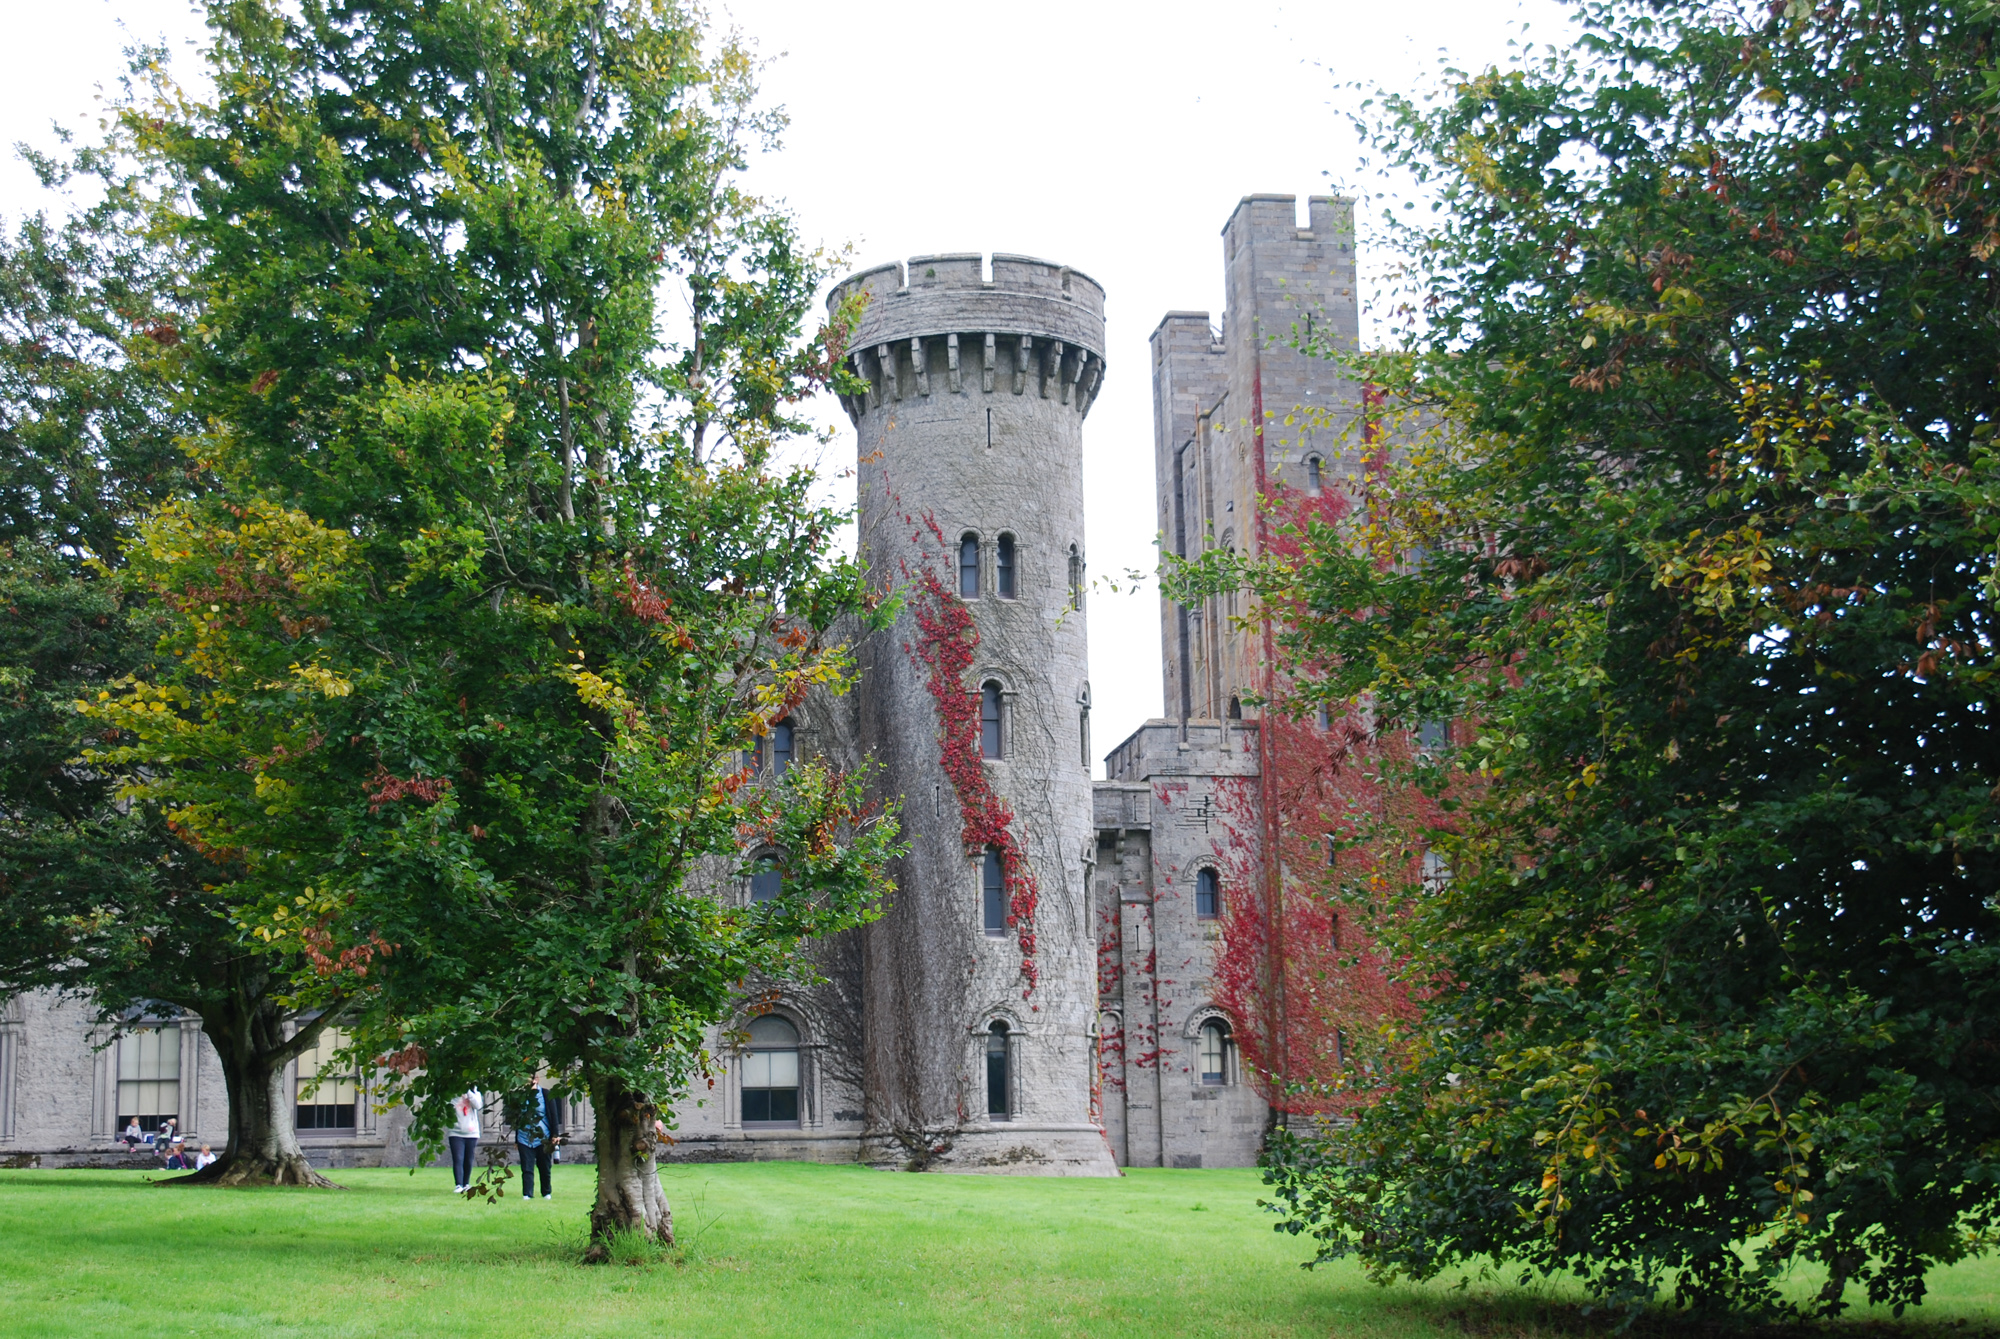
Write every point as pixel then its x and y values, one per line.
pixel 1215 1044
pixel 326 1092
pixel 149 1076
pixel 999 1091
pixel 771 1073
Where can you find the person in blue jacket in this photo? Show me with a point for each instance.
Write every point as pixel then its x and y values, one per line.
pixel 533 1120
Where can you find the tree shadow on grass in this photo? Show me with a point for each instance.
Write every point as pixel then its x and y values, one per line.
pixel 1531 1316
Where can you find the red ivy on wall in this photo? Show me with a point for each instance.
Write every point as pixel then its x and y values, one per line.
pixel 947 637
pixel 1298 970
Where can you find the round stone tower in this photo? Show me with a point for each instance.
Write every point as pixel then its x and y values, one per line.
pixel 980 981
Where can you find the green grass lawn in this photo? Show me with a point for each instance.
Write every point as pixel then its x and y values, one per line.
pixel 767 1249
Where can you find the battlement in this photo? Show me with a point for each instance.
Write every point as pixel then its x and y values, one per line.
pixel 1329 218
pixel 965 272
pixel 938 322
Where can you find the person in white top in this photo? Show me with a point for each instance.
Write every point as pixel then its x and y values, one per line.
pixel 203 1158
pixel 464 1138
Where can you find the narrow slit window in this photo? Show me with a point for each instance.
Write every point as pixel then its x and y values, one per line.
pixel 968 568
pixel 999 1100
pixel 1003 568
pixel 781 748
pixel 990 741
pixel 993 891
pixel 1207 895
pixel 1314 479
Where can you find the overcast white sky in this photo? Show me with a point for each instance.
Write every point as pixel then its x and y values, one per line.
pixel 1113 137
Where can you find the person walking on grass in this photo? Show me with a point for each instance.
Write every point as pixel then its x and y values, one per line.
pixel 534 1137
pixel 464 1138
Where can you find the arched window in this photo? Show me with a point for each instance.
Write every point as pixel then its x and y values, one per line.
pixel 767 879
pixel 999 1094
pixel 1207 895
pixel 771 1073
pixel 1075 578
pixel 993 891
pixel 1321 720
pixel 1214 1053
pixel 781 748
pixel 1314 481
pixel 149 1076
pixel 1235 708
pixel 990 742
pixel 326 1095
pixel 968 567
pixel 1003 568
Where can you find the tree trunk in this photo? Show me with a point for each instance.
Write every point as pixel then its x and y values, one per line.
pixel 263 1148
pixel 629 1197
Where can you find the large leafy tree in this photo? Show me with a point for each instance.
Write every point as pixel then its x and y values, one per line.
pixel 501 578
pixel 98 896
pixel 1699 546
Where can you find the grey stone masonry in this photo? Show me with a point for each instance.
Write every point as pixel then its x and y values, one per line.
pixel 971 434
pixel 1163 818
pixel 1241 410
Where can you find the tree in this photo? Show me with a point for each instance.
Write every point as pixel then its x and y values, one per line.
pixel 1700 552
pixel 498 583
pixel 98 897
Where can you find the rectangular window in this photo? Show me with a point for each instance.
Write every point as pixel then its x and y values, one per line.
pixel 770 1086
pixel 999 1103
pixel 149 1076
pixel 993 891
pixel 326 1103
pixel 990 741
pixel 968 568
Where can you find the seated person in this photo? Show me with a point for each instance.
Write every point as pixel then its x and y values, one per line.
pixel 203 1158
pixel 177 1159
pixel 134 1136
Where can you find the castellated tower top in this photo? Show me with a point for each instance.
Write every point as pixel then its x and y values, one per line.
pixel 1034 328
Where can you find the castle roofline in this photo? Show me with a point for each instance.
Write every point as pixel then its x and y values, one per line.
pixel 1183 316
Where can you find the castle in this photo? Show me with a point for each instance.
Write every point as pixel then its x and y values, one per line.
pixel 1039 996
